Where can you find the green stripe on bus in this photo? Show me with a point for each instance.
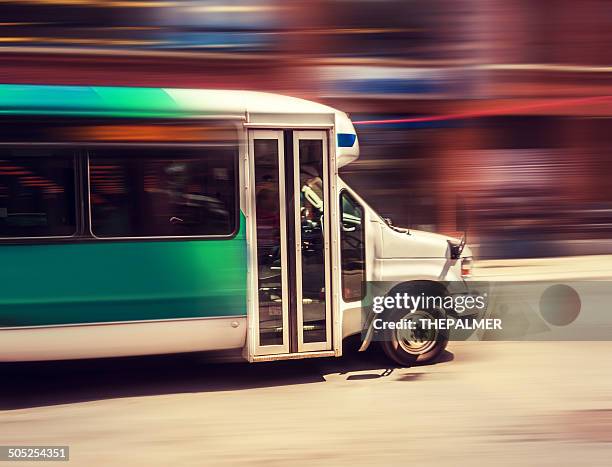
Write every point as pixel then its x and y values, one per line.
pixel 16 99
pixel 114 281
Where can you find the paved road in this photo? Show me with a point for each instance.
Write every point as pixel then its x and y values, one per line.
pixel 484 403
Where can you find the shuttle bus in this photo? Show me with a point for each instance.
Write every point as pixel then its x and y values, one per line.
pixel 140 221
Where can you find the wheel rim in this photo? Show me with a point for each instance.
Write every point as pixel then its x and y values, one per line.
pixel 417 341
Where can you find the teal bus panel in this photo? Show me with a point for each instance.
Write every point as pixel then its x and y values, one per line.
pixel 118 281
pixel 17 99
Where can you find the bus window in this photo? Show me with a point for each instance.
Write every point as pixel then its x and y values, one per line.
pixel 352 243
pixel 269 240
pixel 170 192
pixel 312 205
pixel 37 193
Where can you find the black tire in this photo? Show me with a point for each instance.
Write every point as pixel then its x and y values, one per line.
pixel 396 347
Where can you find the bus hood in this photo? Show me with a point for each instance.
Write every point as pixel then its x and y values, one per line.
pixel 416 244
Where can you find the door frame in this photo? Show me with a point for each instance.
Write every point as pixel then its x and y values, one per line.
pixel 332 344
pixel 253 327
pixel 316 135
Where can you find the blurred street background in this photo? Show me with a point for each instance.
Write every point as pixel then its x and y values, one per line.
pixel 506 104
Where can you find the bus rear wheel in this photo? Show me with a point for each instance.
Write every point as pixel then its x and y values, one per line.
pixel 419 346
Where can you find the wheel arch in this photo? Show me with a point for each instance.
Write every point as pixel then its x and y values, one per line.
pixel 421 285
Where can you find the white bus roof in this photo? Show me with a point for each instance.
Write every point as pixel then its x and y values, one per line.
pixel 258 108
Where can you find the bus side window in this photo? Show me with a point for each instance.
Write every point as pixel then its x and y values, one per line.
pixel 352 248
pixel 174 192
pixel 37 193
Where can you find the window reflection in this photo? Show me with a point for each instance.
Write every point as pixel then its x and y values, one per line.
pixel 352 246
pixel 267 189
pixel 313 240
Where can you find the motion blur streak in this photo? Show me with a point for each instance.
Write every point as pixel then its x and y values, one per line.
pixel 499 111
pixel 503 103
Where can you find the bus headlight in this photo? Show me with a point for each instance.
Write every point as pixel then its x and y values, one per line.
pixel 466 267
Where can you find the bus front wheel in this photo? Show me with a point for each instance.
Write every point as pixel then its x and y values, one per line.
pixel 417 346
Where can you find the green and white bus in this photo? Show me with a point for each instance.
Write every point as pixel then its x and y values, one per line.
pixel 139 221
